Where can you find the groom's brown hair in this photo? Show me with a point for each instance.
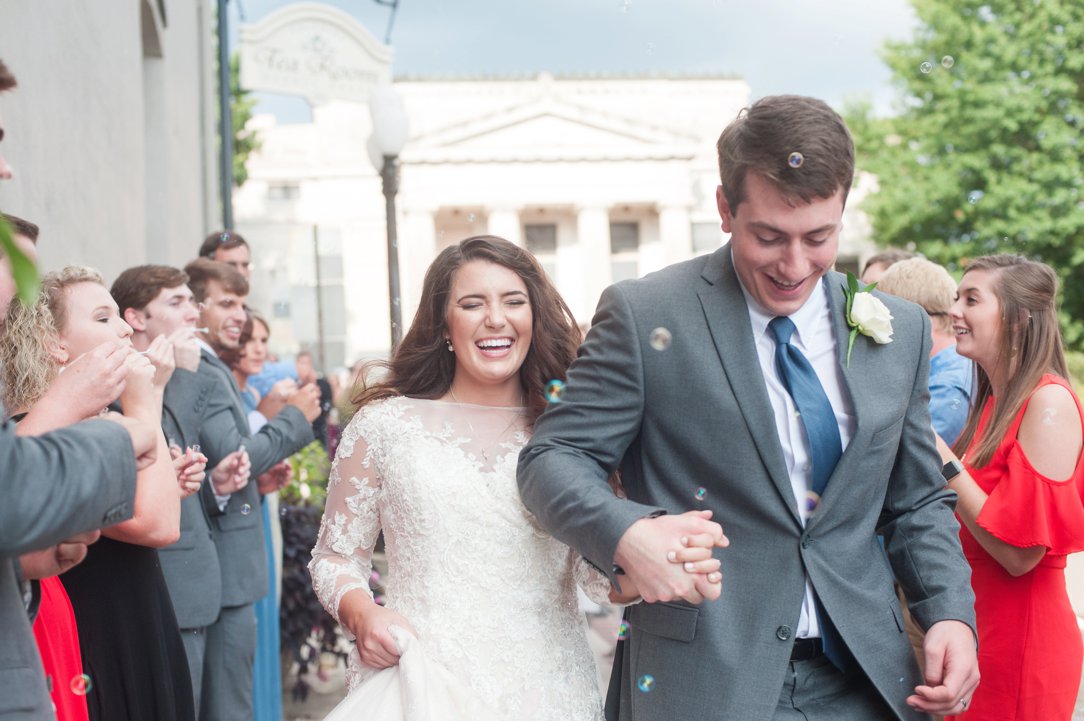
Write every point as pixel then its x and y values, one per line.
pixel 798 144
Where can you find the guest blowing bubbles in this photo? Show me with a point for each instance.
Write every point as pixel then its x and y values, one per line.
pixel 131 646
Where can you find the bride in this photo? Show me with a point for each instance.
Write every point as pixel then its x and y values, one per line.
pixel 477 591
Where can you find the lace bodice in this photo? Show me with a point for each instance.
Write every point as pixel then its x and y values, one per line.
pixel 490 593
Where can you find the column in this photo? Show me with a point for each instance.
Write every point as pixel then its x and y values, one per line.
pixel 417 249
pixel 586 262
pixel 505 223
pixel 675 234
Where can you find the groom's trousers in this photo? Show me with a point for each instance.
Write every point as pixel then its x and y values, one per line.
pixel 815 690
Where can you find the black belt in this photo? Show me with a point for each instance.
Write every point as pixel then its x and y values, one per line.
pixel 806 649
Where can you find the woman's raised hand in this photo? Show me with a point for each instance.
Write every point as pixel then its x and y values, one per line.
pixel 160 354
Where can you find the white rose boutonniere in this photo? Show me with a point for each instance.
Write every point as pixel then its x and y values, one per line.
pixel 866 315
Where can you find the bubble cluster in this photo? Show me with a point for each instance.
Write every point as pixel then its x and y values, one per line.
pixel 947 62
pixel 926 67
pixel 660 339
pixel 623 631
pixel 646 683
pixel 795 159
pixel 554 390
pixel 80 684
pixel 700 493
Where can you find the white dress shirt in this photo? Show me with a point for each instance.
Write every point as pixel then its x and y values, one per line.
pixel 814 337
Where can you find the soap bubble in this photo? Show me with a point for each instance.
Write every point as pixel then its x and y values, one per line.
pixel 646 683
pixel 926 68
pixel 554 390
pixel 623 631
pixel 812 500
pixel 795 160
pixel 81 685
pixel 700 493
pixel 947 62
pixel 660 339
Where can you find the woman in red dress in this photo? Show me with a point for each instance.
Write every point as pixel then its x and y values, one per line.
pixel 1020 491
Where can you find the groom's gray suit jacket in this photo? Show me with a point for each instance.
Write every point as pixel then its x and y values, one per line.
pixel 697 414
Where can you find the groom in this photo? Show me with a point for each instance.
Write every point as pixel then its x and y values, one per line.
pixel 726 383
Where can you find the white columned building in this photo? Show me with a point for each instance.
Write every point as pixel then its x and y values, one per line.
pixel 602 178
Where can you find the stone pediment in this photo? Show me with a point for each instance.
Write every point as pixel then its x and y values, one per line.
pixel 548 130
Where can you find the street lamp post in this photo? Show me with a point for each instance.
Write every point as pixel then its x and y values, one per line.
pixel 390 132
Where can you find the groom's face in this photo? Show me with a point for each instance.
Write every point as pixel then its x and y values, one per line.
pixel 781 250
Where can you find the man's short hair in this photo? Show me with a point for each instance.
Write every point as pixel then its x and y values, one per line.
pixel 888 257
pixel 798 144
pixel 7 80
pixel 202 271
pixel 138 286
pixel 224 239
pixel 925 283
pixel 23 227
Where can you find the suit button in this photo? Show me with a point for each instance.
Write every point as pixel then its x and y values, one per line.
pixel 783 633
pixel 246 509
pixel 807 541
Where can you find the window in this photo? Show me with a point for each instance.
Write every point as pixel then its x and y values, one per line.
pixel 541 241
pixel 283 192
pixel 624 250
pixel 706 237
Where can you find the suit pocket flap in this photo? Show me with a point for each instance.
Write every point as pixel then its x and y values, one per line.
pixel 667 620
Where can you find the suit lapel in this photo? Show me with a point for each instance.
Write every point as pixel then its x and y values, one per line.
pixel 727 318
pixel 216 364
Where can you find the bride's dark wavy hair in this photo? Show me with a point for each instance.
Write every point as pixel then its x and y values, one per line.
pixel 422 366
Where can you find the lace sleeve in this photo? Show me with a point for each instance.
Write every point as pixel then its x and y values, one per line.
pixel 593 582
pixel 342 560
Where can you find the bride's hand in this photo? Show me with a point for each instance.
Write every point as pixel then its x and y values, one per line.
pixel 376 646
pixel 695 555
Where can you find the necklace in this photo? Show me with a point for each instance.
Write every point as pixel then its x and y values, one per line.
pixel 474 435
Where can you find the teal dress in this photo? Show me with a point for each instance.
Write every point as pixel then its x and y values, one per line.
pixel 266 671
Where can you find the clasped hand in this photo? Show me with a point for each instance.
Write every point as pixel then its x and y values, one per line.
pixel 669 558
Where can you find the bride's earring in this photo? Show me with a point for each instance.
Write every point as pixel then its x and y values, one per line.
pixel 449 342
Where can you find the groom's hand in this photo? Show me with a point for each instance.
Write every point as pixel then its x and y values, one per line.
pixel 644 553
pixel 952 670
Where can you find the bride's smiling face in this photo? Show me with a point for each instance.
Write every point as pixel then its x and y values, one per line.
pixel 489 324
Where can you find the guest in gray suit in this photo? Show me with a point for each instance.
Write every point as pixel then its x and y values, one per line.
pixel 236 518
pixel 728 382
pixel 155 301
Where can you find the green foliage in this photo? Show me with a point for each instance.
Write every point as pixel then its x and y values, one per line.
pixel 245 140
pixel 308 485
pixel 22 268
pixel 985 154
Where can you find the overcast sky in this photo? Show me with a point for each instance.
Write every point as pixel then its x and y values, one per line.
pixel 826 48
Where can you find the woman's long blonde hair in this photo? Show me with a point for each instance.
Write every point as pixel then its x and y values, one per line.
pixel 27 368
pixel 1031 347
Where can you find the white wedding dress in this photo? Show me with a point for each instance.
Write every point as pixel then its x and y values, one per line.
pixel 491 595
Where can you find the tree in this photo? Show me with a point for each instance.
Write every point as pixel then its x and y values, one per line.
pixel 984 155
pixel 245 140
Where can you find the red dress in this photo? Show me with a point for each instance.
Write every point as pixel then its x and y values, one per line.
pixel 58 644
pixel 1030 649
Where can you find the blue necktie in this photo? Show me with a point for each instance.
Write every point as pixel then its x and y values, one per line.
pixel 825 447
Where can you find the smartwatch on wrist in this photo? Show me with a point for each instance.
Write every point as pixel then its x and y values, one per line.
pixel 951 469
